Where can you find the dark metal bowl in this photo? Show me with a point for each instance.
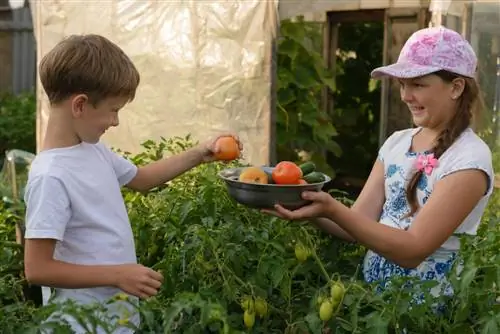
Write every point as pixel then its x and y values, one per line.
pixel 265 196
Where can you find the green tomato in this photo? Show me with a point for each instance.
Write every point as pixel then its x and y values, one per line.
pixel 301 253
pixel 247 303
pixel 261 307
pixel 326 310
pixel 337 291
pixel 249 319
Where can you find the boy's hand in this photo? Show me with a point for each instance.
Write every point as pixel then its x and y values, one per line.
pixel 211 150
pixel 139 280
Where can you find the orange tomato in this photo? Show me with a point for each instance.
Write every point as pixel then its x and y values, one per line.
pixel 228 149
pixel 286 172
pixel 253 175
pixel 302 181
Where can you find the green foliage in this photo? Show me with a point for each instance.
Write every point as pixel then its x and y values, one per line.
pixel 17 122
pixel 489 122
pixel 214 254
pixel 356 111
pixel 342 141
pixel 302 124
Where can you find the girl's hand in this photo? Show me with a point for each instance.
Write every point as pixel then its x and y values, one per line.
pixel 322 202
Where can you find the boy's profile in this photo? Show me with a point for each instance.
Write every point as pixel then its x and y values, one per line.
pixel 79 241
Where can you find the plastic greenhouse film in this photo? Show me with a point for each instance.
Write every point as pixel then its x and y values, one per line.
pixel 205 65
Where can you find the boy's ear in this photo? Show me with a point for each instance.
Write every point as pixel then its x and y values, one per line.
pixel 78 104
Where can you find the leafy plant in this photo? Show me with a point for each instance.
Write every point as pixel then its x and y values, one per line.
pixel 303 127
pixel 343 141
pixel 17 122
pixel 229 269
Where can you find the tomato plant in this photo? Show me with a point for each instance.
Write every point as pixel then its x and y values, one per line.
pixel 229 269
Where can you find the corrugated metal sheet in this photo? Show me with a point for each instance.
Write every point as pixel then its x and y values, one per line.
pixel 23 50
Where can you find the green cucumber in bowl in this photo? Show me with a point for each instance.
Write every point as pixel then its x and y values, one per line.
pixel 314 177
pixel 307 167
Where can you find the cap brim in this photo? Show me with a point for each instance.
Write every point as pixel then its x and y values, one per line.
pixel 403 71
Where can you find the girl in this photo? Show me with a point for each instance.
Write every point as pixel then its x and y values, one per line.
pixel 429 183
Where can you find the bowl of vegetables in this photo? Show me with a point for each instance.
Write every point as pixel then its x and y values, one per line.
pixel 265 186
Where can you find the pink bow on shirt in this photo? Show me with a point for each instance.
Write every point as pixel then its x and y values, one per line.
pixel 426 163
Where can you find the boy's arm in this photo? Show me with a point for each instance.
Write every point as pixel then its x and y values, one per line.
pixel 48 210
pixel 159 172
pixel 41 268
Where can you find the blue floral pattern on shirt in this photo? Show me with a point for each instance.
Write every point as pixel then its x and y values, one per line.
pixel 398 171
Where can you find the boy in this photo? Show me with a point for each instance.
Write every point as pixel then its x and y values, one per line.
pixel 78 237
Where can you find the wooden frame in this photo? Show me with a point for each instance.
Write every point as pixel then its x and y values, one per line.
pixel 330 41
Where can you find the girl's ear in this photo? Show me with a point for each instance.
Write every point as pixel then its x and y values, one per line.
pixel 457 88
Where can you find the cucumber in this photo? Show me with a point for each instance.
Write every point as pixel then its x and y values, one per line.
pixel 307 167
pixel 314 177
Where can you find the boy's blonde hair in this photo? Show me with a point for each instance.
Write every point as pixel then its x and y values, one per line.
pixel 88 64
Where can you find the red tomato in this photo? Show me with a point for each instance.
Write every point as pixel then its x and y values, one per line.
pixel 286 172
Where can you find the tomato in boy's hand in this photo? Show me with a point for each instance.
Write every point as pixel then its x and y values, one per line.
pixel 287 172
pixel 227 149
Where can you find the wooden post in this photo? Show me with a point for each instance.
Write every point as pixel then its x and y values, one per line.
pixel 11 168
pixel 330 44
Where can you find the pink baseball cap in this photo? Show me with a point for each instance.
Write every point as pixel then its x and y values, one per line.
pixel 430 50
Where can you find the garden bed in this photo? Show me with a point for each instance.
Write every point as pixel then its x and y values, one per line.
pixel 215 254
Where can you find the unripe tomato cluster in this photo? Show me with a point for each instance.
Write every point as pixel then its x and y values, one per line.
pixel 328 305
pixel 252 307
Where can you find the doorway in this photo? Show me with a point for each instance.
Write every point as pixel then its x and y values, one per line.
pixel 364 111
pixel 354 42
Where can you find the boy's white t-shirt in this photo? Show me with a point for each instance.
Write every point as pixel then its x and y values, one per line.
pixel 74 195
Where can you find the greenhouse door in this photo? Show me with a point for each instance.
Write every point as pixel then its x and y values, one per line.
pixel 399 25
